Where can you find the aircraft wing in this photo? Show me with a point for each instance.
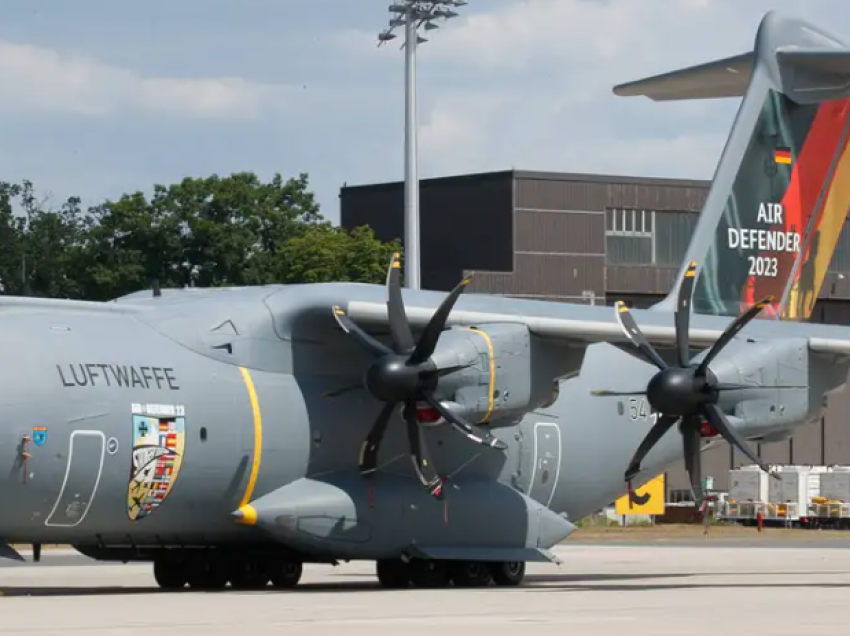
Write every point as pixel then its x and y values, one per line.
pixel 586 327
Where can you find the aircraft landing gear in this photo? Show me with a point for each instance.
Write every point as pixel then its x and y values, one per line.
pixel 508 573
pixel 471 574
pixel 393 574
pixel 248 574
pixel 286 573
pixel 429 574
pixel 207 574
pixel 214 571
pixel 424 573
pixel 169 574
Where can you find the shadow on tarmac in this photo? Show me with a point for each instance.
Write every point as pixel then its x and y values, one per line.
pixel 533 583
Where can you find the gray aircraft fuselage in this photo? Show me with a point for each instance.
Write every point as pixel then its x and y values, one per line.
pixel 202 417
pixel 251 420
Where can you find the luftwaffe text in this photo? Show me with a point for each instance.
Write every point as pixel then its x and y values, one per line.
pixel 117 375
pixel 765 240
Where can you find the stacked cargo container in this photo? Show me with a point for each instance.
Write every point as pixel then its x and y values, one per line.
pixel 796 495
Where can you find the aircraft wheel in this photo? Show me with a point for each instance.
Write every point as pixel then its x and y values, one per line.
pixel 471 574
pixel 393 574
pixel 207 574
pixel 426 573
pixel 169 574
pixel 248 575
pixel 286 573
pixel 508 573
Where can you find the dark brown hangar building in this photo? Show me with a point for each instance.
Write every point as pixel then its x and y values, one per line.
pixel 584 238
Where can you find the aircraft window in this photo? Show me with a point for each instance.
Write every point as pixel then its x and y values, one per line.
pixel 620 408
pixel 203 433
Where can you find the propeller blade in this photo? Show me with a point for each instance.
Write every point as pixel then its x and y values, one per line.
pixel 462 426
pixel 683 313
pixel 428 341
pixel 664 423
pixel 693 460
pixel 606 393
pixel 341 391
pixel 399 326
pixel 369 450
pixel 457 367
pixel 754 387
pixel 419 454
pixel 718 420
pixel 731 331
pixel 366 341
pixel 633 332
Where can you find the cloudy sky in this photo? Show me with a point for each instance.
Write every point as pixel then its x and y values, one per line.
pixel 99 97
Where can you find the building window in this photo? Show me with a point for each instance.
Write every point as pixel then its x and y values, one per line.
pixel 648 237
pixel 630 236
pixel 673 233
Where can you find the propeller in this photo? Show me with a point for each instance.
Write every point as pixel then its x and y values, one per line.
pixel 406 374
pixel 686 394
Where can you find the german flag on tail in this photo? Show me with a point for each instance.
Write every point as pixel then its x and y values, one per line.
pixel 782 155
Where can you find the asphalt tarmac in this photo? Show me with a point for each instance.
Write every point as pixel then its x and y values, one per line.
pixel 600 589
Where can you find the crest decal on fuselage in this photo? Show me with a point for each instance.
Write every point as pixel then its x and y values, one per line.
pixel 158 442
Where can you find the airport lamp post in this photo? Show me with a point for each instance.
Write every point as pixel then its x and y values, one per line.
pixel 413 14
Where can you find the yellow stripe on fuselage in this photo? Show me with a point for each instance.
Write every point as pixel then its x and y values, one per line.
pixel 258 440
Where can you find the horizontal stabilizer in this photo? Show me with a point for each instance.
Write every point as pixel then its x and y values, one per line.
pixel 810 70
pixel 816 61
pixel 728 77
pixel 470 553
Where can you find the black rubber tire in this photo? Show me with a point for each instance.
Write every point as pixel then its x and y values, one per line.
pixel 248 575
pixel 393 574
pixel 169 574
pixel 425 573
pixel 471 574
pixel 286 573
pixel 508 573
pixel 207 574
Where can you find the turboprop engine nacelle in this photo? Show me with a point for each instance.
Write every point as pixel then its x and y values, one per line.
pixel 497 384
pixel 777 366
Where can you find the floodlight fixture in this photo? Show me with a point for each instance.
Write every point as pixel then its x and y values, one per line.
pixel 413 14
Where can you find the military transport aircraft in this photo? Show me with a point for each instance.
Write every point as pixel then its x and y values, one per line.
pixel 231 435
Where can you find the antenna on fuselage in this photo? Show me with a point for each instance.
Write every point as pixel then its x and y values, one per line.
pixel 156 290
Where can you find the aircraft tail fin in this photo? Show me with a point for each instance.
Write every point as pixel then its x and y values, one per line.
pixel 781 190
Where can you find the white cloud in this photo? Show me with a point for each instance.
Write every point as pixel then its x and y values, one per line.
pixel 41 79
pixel 548 67
pixel 510 83
pixel 599 35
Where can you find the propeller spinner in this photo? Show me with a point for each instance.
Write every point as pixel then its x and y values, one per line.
pixel 686 394
pixel 406 374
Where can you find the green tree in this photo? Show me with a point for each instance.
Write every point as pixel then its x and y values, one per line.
pixel 222 231
pixel 324 253
pixel 42 248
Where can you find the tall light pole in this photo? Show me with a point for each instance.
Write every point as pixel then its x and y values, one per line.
pixel 413 14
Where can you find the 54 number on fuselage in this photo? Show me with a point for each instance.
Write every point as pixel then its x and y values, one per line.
pixel 639 409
